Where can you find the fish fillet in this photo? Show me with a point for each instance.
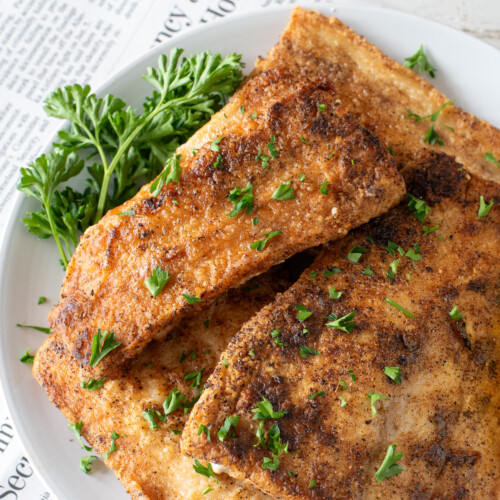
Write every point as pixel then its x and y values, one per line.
pixel 340 174
pixel 380 92
pixel 148 461
pixel 444 417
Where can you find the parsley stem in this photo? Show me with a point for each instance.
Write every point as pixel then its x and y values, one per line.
pixel 48 209
pixel 108 170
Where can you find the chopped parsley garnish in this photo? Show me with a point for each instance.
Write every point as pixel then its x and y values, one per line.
pixel 342 384
pixel 157 281
pixel 27 357
pixel 92 384
pixel 321 107
pixel 367 270
pixel 433 116
pixel 215 144
pixel 253 116
pixel 455 314
pixel 102 344
pixel 171 173
pixel 302 178
pixel 260 435
pixel 224 362
pixel 182 357
pixel 77 429
pixel 259 245
pixel 419 207
pixel 353 376
pixel 312 483
pixel 419 62
pixel 206 323
pixel 218 163
pixel 431 137
pixel 206 490
pixel 429 230
pixel 42 329
pixel 390 151
pixel 392 247
pixel 195 377
pixel 319 394
pixel 399 308
pixel 304 140
pixel 355 253
pixel 374 397
pixel 343 403
pixel 271 464
pixel 127 212
pixel 284 192
pixel 86 463
pixel 191 299
pixel 252 353
pixel 265 410
pixel 392 269
pixel 204 471
pixel 255 221
pixel 272 147
pixel 333 294
pixel 344 324
pixel 414 253
pixel 150 417
pixel 277 341
pixel 303 313
pixel 242 110
pixel 149 366
pixel 313 276
pixel 389 466
pixel 194 151
pixel 292 474
pixel 175 431
pixel 204 429
pixel 307 351
pixel 329 272
pixel 242 199
pixel 484 208
pixel 263 158
pixel 323 189
pixel 489 156
pixel 394 373
pixel 173 401
pixel 226 431
pixel 41 300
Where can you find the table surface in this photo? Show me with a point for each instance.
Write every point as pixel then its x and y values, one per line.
pixel 480 18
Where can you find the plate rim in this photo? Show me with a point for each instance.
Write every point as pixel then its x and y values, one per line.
pixel 140 59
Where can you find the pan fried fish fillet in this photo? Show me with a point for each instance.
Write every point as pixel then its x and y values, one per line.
pixel 380 92
pixel 444 417
pixel 302 129
pixel 148 461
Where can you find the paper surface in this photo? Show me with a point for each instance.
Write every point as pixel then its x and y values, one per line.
pixel 45 44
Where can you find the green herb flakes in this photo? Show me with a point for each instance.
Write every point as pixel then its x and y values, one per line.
pixel 157 281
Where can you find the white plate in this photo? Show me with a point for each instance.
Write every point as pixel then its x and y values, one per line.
pixel 468 71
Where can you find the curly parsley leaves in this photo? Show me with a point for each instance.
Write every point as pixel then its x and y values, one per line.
pixel 419 63
pixel 102 344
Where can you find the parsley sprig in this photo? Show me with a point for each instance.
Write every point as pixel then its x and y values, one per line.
pixel 389 466
pixel 121 146
pixel 102 344
pixel 420 63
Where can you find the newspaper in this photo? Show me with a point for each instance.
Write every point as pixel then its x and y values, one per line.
pixel 46 44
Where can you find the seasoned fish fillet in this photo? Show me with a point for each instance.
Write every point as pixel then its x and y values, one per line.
pixel 444 415
pixel 381 92
pixel 148 461
pixel 340 174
